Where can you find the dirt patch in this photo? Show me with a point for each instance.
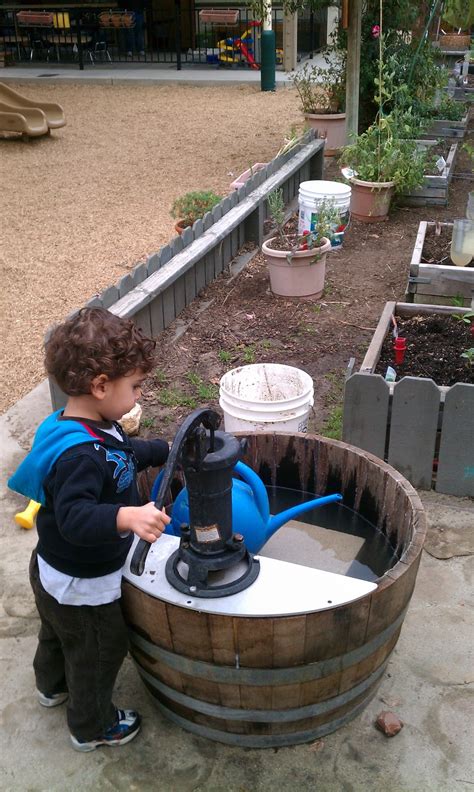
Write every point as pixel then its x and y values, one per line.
pixel 434 345
pixel 245 323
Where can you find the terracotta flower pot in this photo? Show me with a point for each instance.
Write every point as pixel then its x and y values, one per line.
pixel 303 277
pixel 332 127
pixel 179 226
pixel 370 201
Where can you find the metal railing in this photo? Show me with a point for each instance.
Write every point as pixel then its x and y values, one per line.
pixel 108 33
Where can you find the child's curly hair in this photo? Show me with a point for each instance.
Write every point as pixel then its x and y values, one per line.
pixel 92 342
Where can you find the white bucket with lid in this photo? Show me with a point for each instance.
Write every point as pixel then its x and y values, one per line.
pixel 266 397
pixel 310 197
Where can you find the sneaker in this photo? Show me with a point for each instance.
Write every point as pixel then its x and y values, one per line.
pixel 126 728
pixel 52 701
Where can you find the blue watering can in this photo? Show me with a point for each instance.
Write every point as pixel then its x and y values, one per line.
pixel 250 509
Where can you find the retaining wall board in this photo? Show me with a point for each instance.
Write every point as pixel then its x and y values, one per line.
pixel 434 190
pixel 455 475
pixel 435 280
pixel 443 127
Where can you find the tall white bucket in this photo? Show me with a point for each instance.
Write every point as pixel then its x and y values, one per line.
pixel 312 194
pixel 266 397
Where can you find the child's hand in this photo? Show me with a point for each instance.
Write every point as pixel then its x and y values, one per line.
pixel 147 521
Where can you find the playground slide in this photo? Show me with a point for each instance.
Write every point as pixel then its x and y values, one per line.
pixel 26 120
pixel 54 112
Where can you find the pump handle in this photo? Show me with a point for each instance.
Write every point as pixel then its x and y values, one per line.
pixel 210 419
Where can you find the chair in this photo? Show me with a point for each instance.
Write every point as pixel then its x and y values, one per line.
pixel 100 52
pixel 39 47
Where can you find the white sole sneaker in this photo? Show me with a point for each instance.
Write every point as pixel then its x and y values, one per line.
pixel 52 701
pixel 125 730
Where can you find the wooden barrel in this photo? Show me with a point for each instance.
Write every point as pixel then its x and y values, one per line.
pixel 274 681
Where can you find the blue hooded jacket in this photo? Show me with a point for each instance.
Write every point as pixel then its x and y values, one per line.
pixel 52 438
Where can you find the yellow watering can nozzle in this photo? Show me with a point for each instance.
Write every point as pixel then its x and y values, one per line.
pixel 26 519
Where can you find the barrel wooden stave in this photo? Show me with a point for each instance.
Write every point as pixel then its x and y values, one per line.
pixel 330 661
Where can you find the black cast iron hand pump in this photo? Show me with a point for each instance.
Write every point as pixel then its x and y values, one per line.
pixel 211 560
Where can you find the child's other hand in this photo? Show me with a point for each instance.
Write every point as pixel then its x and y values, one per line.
pixel 147 521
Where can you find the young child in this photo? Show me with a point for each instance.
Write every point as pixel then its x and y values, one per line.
pixel 82 469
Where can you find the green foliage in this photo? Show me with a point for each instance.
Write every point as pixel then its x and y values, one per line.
pixel 193 205
pixel 381 155
pixel 468 354
pixel 249 355
pixel 322 89
pixel 205 391
pixel 224 356
pixel 387 151
pixel 459 13
pixel 469 149
pixel 467 317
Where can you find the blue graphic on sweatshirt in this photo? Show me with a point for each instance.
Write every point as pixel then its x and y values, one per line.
pixel 124 469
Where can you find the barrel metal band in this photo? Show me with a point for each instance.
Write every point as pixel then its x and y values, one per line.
pixel 265 676
pixel 263 740
pixel 262 715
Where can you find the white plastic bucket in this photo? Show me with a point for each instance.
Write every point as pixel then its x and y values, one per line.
pixel 266 397
pixel 312 194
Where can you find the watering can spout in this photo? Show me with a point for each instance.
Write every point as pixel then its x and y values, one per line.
pixel 278 520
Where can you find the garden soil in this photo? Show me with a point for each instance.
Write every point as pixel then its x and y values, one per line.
pixel 82 207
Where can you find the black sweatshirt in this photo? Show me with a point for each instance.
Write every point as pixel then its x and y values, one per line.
pixel 85 488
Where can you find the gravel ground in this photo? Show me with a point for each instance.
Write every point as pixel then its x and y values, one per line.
pixel 81 207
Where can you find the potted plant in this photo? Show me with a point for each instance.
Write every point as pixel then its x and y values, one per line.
pixel 379 164
pixel 322 92
pixel 297 262
pixel 191 206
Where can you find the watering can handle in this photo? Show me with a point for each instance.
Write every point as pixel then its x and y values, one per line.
pixel 210 420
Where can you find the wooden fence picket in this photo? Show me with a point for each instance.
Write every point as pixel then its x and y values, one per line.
pixel 413 425
pixel 455 474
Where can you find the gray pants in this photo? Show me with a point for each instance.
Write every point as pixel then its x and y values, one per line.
pixel 80 649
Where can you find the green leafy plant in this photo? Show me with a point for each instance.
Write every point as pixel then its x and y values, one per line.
pixel 328 220
pixel 224 356
pixel 322 89
pixel 467 317
pixel 205 391
pixel 383 153
pixel 469 149
pixel 459 13
pixel 468 354
pixel 190 207
pixel 249 355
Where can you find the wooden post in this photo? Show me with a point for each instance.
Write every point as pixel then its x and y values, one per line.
pixel 290 33
pixel 353 67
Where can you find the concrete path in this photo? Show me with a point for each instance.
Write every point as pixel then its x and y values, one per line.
pixel 428 683
pixel 144 74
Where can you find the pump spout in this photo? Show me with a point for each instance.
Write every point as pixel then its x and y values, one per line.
pixel 278 520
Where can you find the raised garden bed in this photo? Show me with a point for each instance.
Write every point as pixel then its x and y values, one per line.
pixel 423 428
pixel 443 127
pixel 434 190
pixel 433 277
